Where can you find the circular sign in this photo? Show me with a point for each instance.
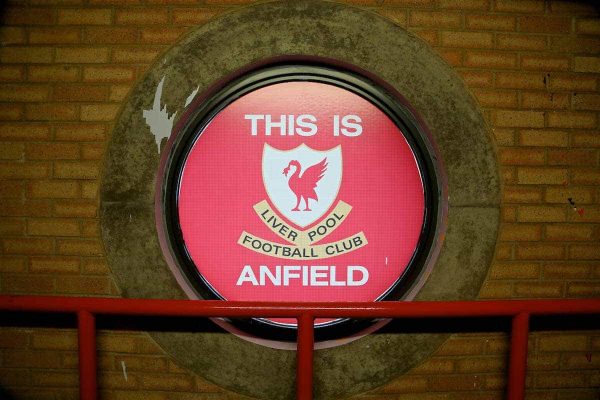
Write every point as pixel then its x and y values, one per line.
pixel 298 184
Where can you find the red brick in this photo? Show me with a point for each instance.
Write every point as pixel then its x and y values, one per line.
pixel 477 78
pixel 25 55
pixel 82 55
pixel 54 265
pixel 99 112
pixel 544 138
pixel 515 270
pixel 83 285
pixel 587 26
pixel 490 59
pixel 197 15
pixel 520 6
pixel 541 251
pixel 517 80
pixel 491 22
pixel 11 35
pixel 31 359
pixel 522 156
pixel 11 227
pixel 545 63
pixel 76 170
pixel 561 119
pixel 94 266
pixel 161 35
pixel 11 73
pixel 49 151
pixel 586 64
pixel 496 290
pixel 11 112
pixel 92 151
pixel 481 40
pixel 496 98
pixel 11 189
pixel 481 364
pixel 23 93
pixel 436 19
pixel 77 92
pixel 108 74
pixel 28 246
pixel 142 55
pixel 586 176
pixel 521 42
pixel 460 347
pixel 53 73
pixel 520 232
pixel 584 252
pixel 455 382
pixel 568 232
pixel 27 16
pixel 583 289
pixel 542 213
pixel 140 16
pixel 575 45
pixel 520 194
pixel 76 208
pixel 54 378
pixel 545 24
pixel 11 207
pixel 585 140
pixel 53 189
pixel 572 82
pixel 51 112
pixel 82 247
pixel 566 270
pixel 585 101
pixel 526 119
pixel 80 16
pixel 549 176
pixel 538 290
pixel 465 4
pixel 19 170
pixel 89 190
pixel 504 137
pixel 81 132
pixel 53 227
pixel 54 35
pixel 112 35
pixel 11 151
pixel 55 340
pixel 572 157
pixel 544 100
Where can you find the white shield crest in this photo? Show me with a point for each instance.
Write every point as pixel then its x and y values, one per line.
pixel 302 183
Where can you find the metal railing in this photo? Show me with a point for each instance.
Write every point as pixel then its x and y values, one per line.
pixel 87 308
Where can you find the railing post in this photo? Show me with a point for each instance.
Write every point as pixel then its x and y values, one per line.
pixel 86 326
pixel 517 367
pixel 304 357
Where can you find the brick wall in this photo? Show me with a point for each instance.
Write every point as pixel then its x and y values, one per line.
pixel 66 67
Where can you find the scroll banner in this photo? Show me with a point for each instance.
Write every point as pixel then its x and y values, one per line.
pixel 302 241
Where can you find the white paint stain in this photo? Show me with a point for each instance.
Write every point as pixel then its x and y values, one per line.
pixel 191 96
pixel 124 370
pixel 158 119
pixel 386 261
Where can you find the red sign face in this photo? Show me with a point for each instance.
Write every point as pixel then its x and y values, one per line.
pixel 301 191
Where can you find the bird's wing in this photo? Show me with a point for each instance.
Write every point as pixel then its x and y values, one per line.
pixel 314 173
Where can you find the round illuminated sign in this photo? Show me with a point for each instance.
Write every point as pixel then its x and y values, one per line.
pixel 296 184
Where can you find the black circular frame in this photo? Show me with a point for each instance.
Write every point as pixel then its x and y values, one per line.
pixel 205 108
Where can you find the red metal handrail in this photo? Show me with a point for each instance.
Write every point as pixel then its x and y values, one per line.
pixel 86 308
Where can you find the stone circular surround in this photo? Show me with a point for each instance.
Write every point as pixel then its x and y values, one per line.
pixel 228 45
